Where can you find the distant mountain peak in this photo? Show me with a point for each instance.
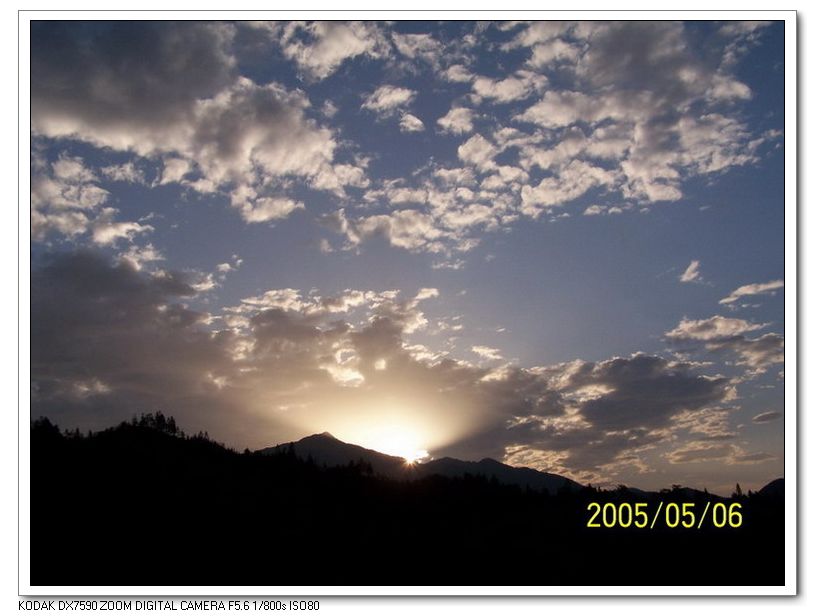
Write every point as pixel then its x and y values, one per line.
pixel 325 448
pixel 491 461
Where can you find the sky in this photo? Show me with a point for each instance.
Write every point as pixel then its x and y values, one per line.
pixel 556 244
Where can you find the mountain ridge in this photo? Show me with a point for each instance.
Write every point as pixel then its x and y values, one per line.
pixel 326 449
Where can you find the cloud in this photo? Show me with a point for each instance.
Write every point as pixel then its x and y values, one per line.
pixel 109 340
pixel 691 273
pixel 66 201
pixel 611 413
pixel 174 93
pixel 105 230
pixel 757 354
pixel 385 99
pixel 764 288
pixel 444 215
pixel 320 47
pixel 767 417
pixel 555 51
pixel 269 208
pixel 576 179
pixel 538 32
pixel 723 334
pixel 418 47
pixel 712 329
pixel 458 121
pixel 409 229
pixel 626 109
pixel 604 210
pixel 478 152
pixel 410 124
pixel 458 73
pixel 697 452
pixel 136 257
pixel 662 95
pixel 517 87
pixel 486 352
pixel 126 172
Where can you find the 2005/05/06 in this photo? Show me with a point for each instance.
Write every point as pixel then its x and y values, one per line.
pixel 637 515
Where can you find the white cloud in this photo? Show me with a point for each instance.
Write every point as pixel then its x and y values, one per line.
pixel 763 288
pixel 410 123
pixel 553 52
pixel 105 230
pixel 174 170
pixel 385 99
pixel 458 120
pixel 126 172
pixel 215 130
pixel 714 328
pixel 539 32
pixel 418 47
pixel 458 73
pixel 138 256
pixel 269 208
pixel 66 200
pixel 320 47
pixel 486 352
pixel 574 180
pixel 691 273
pixel 478 152
pixel 519 86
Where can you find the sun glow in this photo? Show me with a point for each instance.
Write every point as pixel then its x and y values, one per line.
pixel 395 440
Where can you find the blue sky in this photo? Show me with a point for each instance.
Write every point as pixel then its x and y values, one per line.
pixel 556 244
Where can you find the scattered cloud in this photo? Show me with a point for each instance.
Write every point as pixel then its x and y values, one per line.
pixel 181 99
pixel 767 417
pixel 458 121
pixel 486 352
pixel 764 288
pixel 410 123
pixel 712 329
pixel 319 48
pixel 458 73
pixel 517 87
pixel 691 273
pixel 141 339
pixel 385 99
pixel 723 334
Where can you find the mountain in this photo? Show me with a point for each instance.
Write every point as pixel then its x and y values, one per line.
pixel 503 473
pixel 130 491
pixel 325 449
pixel 775 488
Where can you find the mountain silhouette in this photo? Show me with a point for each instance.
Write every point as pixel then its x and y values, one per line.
pixel 326 450
pixel 509 475
pixel 774 489
pixel 143 503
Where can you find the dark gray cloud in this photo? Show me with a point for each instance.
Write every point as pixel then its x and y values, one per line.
pixel 104 79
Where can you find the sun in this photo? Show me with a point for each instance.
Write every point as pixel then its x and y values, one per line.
pixel 417 456
pixel 397 441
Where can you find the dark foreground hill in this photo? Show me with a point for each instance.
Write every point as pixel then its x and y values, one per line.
pixel 141 504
